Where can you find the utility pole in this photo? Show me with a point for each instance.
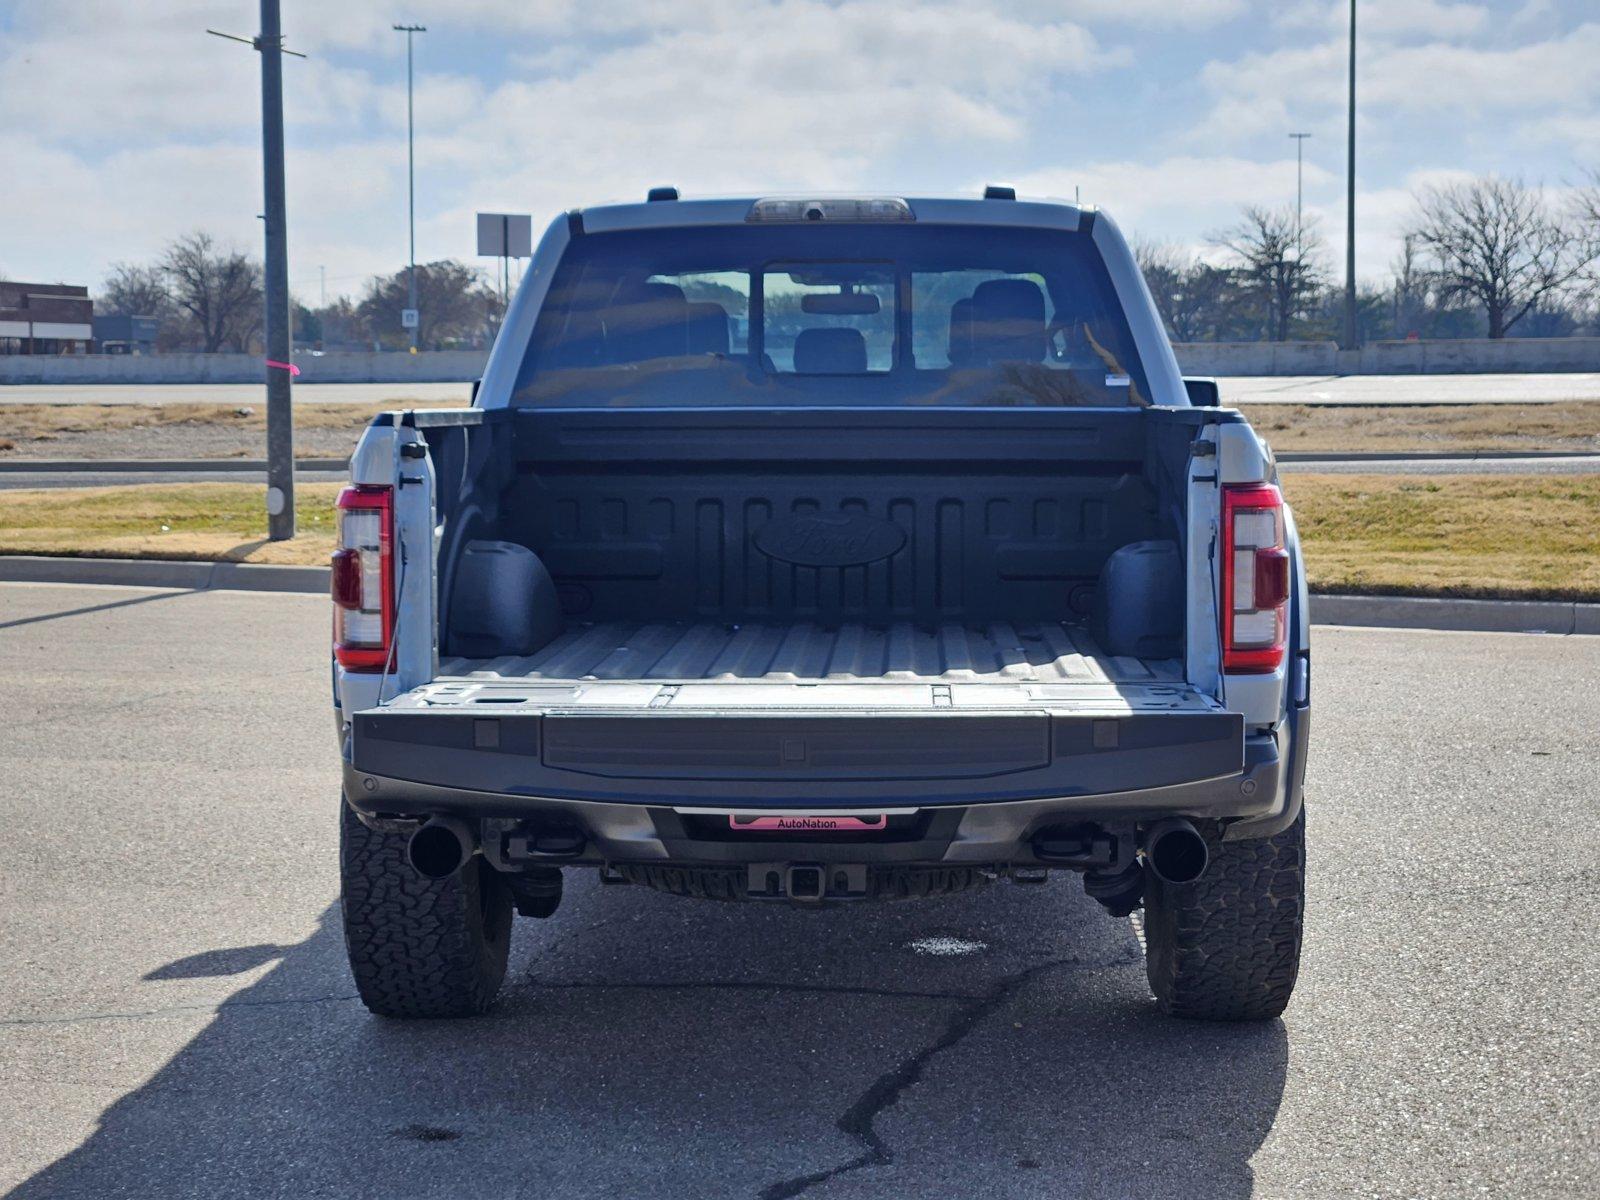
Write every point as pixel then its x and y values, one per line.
pixel 280 366
pixel 411 175
pixel 1350 334
pixel 1299 183
pixel 280 415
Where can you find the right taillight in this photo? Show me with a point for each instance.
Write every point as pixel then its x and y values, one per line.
pixel 363 578
pixel 1255 579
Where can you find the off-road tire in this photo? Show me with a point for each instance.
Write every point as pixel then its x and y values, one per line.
pixel 1227 947
pixel 419 947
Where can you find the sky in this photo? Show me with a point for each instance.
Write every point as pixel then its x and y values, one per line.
pixel 123 125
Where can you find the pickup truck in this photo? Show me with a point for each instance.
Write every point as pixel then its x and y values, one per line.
pixel 812 551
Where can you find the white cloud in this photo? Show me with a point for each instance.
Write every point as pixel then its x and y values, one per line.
pixel 122 126
pixel 1196 192
pixel 1189 14
pixel 1390 18
pixel 738 96
pixel 1263 92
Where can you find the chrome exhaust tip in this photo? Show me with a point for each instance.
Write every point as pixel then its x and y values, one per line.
pixel 441 847
pixel 1174 851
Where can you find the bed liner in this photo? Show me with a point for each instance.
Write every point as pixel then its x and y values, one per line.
pixel 900 652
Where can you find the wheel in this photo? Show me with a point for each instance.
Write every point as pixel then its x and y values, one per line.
pixel 419 947
pixel 1227 946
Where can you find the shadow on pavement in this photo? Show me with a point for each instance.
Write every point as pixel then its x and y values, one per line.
pixel 1001 1042
pixel 235 960
pixel 95 608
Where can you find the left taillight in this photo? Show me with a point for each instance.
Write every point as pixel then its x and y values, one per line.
pixel 363 578
pixel 1255 582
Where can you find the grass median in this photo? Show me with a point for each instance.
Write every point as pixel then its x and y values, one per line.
pixel 1526 536
pixel 326 430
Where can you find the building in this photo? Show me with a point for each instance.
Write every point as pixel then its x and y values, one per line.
pixel 118 334
pixel 45 318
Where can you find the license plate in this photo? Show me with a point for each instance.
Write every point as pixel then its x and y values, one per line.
pixel 798 823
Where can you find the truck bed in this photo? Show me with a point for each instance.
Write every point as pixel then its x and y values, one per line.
pixel 992 652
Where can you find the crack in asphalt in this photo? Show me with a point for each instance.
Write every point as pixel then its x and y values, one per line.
pixel 859 1121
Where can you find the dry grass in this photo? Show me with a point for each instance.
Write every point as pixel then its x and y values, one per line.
pixel 1533 536
pixel 1530 536
pixel 25 426
pixel 1570 425
pixel 204 521
pixel 186 430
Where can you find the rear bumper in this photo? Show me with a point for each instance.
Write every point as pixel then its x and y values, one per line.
pixel 682 824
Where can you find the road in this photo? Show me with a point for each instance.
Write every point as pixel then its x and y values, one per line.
pixel 176 1018
pixel 231 393
pixel 1408 389
pixel 91 478
pixel 1574 464
pixel 1577 464
pixel 1243 389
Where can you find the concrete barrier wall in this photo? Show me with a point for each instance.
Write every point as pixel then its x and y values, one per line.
pixel 1510 356
pixel 1478 356
pixel 438 366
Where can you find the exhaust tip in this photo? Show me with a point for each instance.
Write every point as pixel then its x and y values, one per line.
pixel 1175 852
pixel 440 848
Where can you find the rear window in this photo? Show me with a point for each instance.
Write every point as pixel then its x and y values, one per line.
pixel 816 314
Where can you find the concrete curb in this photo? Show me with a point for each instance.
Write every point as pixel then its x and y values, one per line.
pixel 1479 616
pixel 162 573
pixel 152 465
pixel 1401 612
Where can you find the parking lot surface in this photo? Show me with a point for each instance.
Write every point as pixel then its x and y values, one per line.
pixel 176 1018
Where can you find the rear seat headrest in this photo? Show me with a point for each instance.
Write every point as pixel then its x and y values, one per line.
pixel 708 328
pixel 648 321
pixel 1008 322
pixel 830 352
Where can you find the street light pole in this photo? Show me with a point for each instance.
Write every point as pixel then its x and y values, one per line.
pixel 411 171
pixel 1350 334
pixel 1299 183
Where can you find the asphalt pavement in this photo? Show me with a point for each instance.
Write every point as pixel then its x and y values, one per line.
pixel 1236 389
pixel 416 394
pixel 117 478
pixel 1576 464
pixel 176 1018
pixel 1408 389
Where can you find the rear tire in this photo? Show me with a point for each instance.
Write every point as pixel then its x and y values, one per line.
pixel 1227 946
pixel 420 947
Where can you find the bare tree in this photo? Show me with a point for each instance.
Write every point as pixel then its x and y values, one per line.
pixel 1197 301
pixel 1410 288
pixel 453 305
pixel 1585 211
pixel 1501 245
pixel 1278 264
pixel 135 291
pixel 220 290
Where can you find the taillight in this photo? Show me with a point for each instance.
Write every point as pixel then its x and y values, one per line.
pixel 1255 581
pixel 363 578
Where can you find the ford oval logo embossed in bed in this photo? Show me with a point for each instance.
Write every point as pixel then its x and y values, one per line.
pixel 844 541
